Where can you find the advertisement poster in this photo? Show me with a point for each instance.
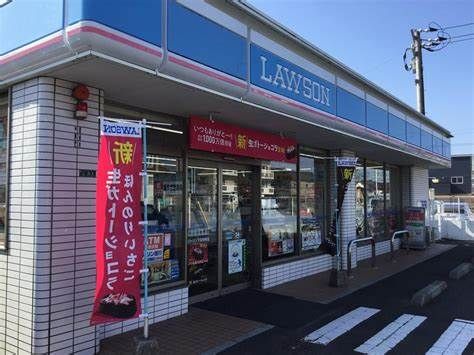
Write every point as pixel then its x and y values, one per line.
pixel 224 138
pixel 236 260
pixel 197 253
pixel 415 224
pixel 119 237
pixel 161 265
pixel 310 236
pixel 278 245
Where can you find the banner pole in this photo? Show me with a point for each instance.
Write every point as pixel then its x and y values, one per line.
pixel 145 232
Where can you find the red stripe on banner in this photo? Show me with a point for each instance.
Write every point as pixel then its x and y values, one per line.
pixel 119 236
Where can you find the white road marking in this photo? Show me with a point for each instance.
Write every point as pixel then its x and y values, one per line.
pixel 391 335
pixel 454 339
pixel 341 325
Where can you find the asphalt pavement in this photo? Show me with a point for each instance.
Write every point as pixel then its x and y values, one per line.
pixel 391 320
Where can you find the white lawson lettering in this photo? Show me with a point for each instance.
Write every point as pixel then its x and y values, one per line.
pixel 121 129
pixel 291 81
pixel 263 76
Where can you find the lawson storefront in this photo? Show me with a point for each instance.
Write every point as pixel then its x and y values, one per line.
pixel 241 170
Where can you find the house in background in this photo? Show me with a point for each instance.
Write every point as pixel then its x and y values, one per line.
pixel 456 180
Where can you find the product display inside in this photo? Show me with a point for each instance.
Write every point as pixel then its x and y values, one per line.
pixel 312 202
pixel 165 216
pixel 375 190
pixel 279 209
pixel 393 199
pixel 360 201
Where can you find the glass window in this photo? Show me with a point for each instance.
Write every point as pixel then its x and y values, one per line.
pixel 165 219
pixel 312 202
pixel 375 190
pixel 437 145
pixel 396 127
pixel 377 118
pixel 360 201
pixel 393 200
pixel 446 149
pixel 426 140
pixel 413 134
pixel 3 169
pixel 279 209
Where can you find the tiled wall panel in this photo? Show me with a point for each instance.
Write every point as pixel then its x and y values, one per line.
pixel 48 274
pixel 279 274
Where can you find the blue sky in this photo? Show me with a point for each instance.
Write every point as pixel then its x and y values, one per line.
pixel 370 36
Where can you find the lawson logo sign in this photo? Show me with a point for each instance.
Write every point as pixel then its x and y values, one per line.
pixel 123 129
pixel 275 74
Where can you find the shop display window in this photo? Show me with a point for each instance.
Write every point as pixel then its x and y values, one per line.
pixel 165 219
pixel 375 192
pixel 312 203
pixel 3 169
pixel 359 180
pixel 278 209
pixel 393 199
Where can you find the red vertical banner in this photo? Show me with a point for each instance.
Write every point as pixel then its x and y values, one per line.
pixel 119 236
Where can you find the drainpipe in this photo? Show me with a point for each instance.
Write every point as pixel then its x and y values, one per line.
pixel 164 36
pixel 66 42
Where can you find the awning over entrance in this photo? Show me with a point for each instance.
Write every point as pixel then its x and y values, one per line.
pixel 144 89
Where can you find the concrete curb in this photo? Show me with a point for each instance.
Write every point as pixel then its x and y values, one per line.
pixel 428 293
pixel 460 271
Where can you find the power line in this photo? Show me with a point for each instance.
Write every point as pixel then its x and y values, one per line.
pixel 462 40
pixel 456 26
pixel 465 35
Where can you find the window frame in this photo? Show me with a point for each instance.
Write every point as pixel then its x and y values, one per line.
pixel 459 180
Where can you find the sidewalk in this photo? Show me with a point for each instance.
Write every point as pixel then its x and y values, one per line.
pixel 197 332
pixel 315 288
pixel 217 324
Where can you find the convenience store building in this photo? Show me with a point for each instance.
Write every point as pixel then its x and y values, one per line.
pixel 241 177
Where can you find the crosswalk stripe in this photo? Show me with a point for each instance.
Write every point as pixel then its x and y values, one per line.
pixel 454 339
pixel 391 335
pixel 339 326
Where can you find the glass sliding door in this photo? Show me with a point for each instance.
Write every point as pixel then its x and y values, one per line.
pixel 220 218
pixel 237 222
pixel 202 244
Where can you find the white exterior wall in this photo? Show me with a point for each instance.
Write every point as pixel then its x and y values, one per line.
pixel 47 276
pixel 418 186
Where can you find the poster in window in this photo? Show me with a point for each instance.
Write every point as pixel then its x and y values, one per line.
pixel 197 253
pixel 279 244
pixel 236 256
pixel 310 235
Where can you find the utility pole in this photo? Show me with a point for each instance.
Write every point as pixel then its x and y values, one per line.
pixel 418 69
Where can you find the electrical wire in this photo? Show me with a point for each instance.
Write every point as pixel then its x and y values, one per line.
pixel 462 40
pixel 456 26
pixel 464 35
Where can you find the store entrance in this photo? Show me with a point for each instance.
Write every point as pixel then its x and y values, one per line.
pixel 219 221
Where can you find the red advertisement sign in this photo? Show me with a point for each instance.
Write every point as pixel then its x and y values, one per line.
pixel 228 139
pixel 119 237
pixel 197 253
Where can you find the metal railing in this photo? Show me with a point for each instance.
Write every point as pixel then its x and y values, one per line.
pixel 397 233
pixel 349 252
